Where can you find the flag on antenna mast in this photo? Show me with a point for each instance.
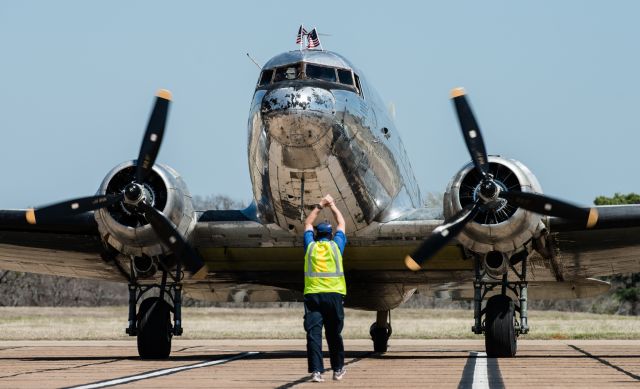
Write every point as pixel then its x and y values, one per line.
pixel 301 33
pixel 312 39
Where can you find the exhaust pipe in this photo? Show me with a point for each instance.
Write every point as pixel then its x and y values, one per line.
pixel 496 264
pixel 144 266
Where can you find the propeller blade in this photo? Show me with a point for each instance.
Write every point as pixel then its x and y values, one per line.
pixel 172 238
pixel 545 205
pixel 68 208
pixel 470 131
pixel 153 136
pixel 441 236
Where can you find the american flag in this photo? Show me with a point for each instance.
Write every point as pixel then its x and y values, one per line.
pixel 301 33
pixel 312 39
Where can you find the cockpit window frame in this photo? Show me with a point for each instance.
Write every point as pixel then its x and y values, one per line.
pixel 261 79
pixel 335 72
pixel 358 85
pixel 349 72
pixel 301 67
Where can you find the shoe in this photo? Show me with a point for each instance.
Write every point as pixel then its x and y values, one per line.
pixel 316 376
pixel 338 374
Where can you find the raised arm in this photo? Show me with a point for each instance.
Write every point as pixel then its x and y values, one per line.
pixel 308 223
pixel 336 214
pixel 327 201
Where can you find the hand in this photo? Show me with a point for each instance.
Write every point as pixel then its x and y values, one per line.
pixel 327 199
pixel 323 202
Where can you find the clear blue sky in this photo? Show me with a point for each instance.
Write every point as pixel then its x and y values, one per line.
pixel 553 83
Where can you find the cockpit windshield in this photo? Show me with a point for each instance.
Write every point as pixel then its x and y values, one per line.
pixel 289 72
pixel 308 71
pixel 321 73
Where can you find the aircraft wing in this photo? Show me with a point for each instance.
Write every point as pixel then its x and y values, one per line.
pixel 375 256
pixel 573 255
pixel 611 247
pixel 71 249
pixel 250 261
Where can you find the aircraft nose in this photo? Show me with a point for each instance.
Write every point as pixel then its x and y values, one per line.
pixel 298 116
pixel 299 99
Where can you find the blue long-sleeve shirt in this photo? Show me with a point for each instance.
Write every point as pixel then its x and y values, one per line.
pixel 340 238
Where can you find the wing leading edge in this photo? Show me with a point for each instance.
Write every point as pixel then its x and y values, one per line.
pixel 70 249
pixel 238 249
pixel 612 246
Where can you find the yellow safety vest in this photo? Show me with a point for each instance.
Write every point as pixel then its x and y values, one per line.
pixel 323 271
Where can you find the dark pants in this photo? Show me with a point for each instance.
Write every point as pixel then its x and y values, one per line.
pixel 324 308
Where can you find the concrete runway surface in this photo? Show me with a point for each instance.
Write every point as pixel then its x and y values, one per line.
pixel 282 364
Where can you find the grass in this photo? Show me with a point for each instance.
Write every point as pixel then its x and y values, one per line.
pixel 31 323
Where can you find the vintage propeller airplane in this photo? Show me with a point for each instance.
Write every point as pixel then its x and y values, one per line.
pixel 315 127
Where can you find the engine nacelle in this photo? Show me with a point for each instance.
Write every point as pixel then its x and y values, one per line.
pixel 130 234
pixel 502 227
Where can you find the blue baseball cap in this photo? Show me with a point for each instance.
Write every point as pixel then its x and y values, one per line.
pixel 324 228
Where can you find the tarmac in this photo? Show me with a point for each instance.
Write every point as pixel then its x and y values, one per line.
pixel 282 364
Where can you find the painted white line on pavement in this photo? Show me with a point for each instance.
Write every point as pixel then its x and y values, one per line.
pixel 480 374
pixel 163 372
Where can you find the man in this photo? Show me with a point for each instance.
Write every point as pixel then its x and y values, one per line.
pixel 324 290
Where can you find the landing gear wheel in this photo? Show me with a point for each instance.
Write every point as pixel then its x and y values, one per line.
pixel 154 329
pixel 380 337
pixel 500 335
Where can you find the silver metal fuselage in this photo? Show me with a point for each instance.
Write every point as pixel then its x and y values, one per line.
pixel 309 137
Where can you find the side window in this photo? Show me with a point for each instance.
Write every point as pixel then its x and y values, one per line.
pixel 344 76
pixel 321 73
pixel 265 78
pixel 358 85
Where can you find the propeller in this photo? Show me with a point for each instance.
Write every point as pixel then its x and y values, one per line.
pixel 470 131
pixel 153 135
pixel 441 235
pixel 135 195
pixel 172 239
pixel 71 207
pixel 489 192
pixel 546 205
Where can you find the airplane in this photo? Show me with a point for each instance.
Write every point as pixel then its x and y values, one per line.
pixel 316 126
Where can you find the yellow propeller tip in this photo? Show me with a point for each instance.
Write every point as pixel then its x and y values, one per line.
pixel 593 218
pixel 200 274
pixel 457 92
pixel 411 264
pixel 31 216
pixel 164 94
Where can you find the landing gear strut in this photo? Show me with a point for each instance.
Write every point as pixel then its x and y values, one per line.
pixel 380 331
pixel 152 323
pixel 501 326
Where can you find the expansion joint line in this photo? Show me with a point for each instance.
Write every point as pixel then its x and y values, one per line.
pixel 605 362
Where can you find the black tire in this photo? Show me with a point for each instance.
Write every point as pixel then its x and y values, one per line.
pixel 154 329
pixel 500 334
pixel 380 337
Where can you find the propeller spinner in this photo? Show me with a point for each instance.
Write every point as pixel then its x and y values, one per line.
pixel 489 192
pixel 134 195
